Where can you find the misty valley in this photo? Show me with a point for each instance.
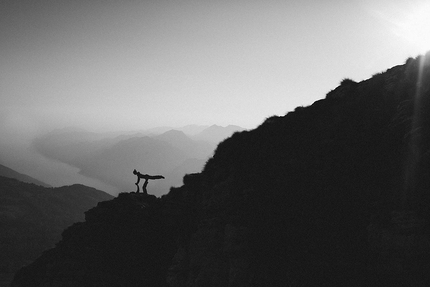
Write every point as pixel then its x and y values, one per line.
pixel 112 159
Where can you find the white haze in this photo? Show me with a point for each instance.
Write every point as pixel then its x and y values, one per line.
pixel 17 152
pixel 133 65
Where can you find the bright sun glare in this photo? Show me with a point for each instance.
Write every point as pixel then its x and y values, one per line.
pixel 416 28
pixel 410 21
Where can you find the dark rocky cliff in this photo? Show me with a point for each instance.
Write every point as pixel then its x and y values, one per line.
pixel 334 194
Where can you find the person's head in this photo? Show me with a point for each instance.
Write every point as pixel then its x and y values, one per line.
pixel 135 171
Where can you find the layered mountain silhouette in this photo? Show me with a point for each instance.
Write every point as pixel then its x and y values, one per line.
pixel 112 158
pixel 216 133
pixel 8 172
pixel 32 218
pixel 333 194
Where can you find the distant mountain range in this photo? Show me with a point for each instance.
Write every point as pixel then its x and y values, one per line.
pixel 215 133
pixel 112 158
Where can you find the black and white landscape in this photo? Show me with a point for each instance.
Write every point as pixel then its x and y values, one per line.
pixel 334 194
pixel 214 143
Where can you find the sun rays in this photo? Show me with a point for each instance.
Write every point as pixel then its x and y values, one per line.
pixel 408 20
pixel 418 132
pixel 415 28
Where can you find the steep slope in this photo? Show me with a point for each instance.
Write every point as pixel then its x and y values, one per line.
pixel 334 194
pixel 32 218
pixel 8 172
pixel 196 152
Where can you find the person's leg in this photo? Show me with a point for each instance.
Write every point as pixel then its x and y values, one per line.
pixel 137 184
pixel 145 192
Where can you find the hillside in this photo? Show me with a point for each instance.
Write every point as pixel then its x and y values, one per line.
pixel 32 218
pixel 333 194
pixel 8 172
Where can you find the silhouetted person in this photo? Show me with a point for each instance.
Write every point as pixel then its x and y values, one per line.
pixel 147 177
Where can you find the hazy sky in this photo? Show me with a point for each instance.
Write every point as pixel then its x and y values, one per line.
pixel 125 65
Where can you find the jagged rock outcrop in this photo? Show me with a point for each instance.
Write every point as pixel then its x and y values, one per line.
pixel 334 194
pixel 123 240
